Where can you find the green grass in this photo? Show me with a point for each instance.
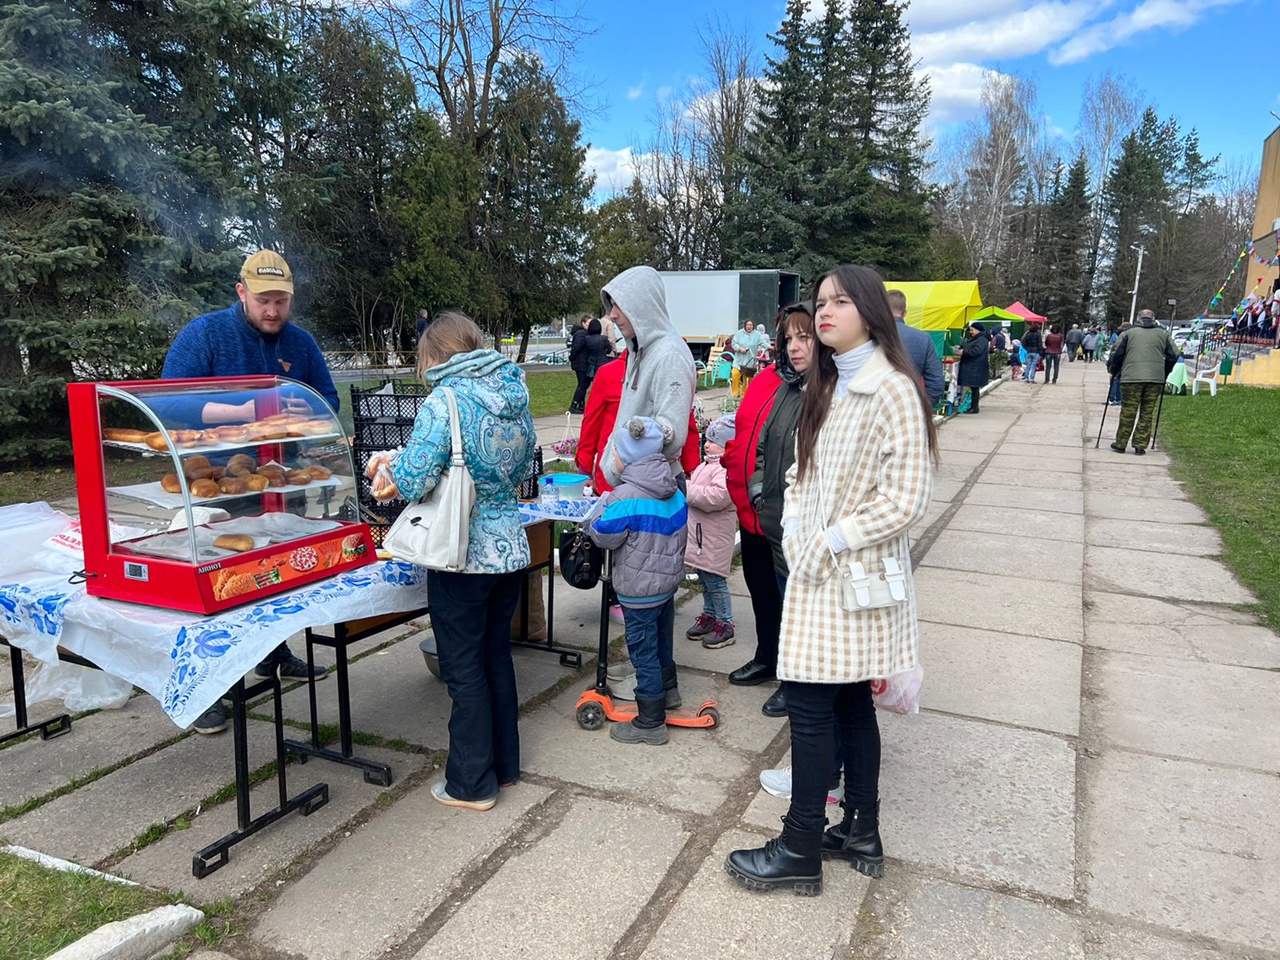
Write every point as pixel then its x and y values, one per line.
pixel 1224 449
pixel 44 910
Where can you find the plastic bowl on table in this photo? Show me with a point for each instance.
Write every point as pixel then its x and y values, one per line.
pixel 563 486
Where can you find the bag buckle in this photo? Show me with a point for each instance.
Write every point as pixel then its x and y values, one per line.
pixel 860 583
pixel 895 577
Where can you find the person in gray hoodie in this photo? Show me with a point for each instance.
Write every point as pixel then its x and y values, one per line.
pixel 660 377
pixel 644 520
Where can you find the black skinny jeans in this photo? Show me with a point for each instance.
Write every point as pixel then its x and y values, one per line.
pixel 580 395
pixel 814 710
pixel 1052 364
pixel 766 600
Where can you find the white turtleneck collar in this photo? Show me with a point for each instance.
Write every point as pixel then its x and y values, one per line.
pixel 848 364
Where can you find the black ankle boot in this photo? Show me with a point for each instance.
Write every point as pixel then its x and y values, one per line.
pixel 793 859
pixel 857 839
pixel 671 687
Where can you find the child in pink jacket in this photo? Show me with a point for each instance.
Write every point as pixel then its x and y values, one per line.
pixel 712 522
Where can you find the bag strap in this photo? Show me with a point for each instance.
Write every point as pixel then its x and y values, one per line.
pixel 455 428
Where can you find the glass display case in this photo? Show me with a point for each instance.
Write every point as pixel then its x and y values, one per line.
pixel 201 495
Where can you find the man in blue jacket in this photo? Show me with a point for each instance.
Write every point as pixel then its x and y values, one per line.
pixel 920 349
pixel 251 337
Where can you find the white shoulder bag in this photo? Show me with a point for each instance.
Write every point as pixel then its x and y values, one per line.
pixel 434 532
pixel 862 589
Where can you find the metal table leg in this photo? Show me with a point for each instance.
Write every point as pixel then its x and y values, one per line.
pixel 48 729
pixel 217 854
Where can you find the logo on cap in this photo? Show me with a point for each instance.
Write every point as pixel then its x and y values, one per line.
pixel 270 272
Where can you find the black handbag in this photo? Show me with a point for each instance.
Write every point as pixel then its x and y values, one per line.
pixel 581 560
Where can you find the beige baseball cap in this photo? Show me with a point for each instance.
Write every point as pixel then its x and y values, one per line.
pixel 266 272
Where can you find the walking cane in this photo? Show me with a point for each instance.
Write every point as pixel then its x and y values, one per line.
pixel 1156 428
pixel 1106 403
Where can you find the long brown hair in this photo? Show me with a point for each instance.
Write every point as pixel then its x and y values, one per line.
pixel 865 287
pixel 449 334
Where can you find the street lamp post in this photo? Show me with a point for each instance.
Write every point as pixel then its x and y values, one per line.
pixel 1173 309
pixel 1133 305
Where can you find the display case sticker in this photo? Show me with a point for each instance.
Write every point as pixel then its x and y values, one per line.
pixel 238 579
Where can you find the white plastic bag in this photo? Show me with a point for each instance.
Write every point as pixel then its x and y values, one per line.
pixel 80 688
pixel 899 693
pixel 24 524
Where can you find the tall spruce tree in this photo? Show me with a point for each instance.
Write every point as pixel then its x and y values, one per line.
pixel 82 251
pixel 767 225
pixel 1068 233
pixel 889 103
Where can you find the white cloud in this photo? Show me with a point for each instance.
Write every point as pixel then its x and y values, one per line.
pixel 941 14
pixel 1172 15
pixel 1005 35
pixel 636 92
pixel 614 169
pixel 956 91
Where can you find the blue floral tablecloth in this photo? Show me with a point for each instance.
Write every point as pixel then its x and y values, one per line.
pixel 185 661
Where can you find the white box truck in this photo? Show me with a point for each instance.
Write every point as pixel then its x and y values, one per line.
pixel 706 304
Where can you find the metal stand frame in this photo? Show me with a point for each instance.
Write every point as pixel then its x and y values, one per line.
pixel 568 656
pixel 344 634
pixel 48 729
pixel 217 854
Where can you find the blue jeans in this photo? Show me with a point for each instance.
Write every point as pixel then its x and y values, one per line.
pixel 649 644
pixel 715 596
pixel 471 618
pixel 815 711
pixel 1029 374
pixel 1113 396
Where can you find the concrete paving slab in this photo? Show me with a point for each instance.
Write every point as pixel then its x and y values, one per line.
pixel 544 896
pixel 962 458
pixel 1045 437
pixel 1169 538
pixel 908 917
pixel 34 767
pixel 953 471
pixel 1027 497
pixel 90 823
pixel 1143 572
pixel 1164 847
pixel 692 771
pixel 1005 525
pixel 997 603
pixel 1023 681
pixel 982 444
pixel 1125 507
pixel 937 509
pixel 1180 631
pixel 1046 460
pixel 395 870
pixel 1041 451
pixel 1127 470
pixel 714 917
pixel 394 696
pixel 1106 941
pixel 167 864
pixel 1103 452
pixel 999 806
pixel 1201 711
pixel 1040 479
pixel 954 550
pixel 1154 488
pixel 946 490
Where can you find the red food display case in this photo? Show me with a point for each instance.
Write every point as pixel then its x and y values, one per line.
pixel 202 495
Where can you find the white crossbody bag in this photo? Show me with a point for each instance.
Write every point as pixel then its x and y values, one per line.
pixel 860 588
pixel 434 532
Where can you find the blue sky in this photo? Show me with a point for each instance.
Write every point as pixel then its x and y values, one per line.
pixel 1210 63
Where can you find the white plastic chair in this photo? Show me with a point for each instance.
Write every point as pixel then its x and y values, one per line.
pixel 1207 376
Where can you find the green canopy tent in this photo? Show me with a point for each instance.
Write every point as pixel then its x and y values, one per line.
pixel 939 306
pixel 994 316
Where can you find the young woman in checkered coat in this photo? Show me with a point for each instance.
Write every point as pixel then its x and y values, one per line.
pixel 865 451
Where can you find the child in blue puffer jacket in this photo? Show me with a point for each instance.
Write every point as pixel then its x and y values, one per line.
pixel 643 520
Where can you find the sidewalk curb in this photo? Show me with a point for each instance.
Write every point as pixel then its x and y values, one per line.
pixel 137 938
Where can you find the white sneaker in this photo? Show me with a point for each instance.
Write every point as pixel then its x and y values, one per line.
pixel 620 669
pixel 777 783
pixel 624 688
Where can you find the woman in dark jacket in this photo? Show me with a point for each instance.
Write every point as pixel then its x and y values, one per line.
pixel 975 371
pixel 588 352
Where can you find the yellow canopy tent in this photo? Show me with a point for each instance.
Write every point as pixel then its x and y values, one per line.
pixel 937 306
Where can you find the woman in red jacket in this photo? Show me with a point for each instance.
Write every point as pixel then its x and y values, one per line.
pixel 739 461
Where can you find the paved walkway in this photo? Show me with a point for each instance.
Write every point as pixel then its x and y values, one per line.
pixel 1096 772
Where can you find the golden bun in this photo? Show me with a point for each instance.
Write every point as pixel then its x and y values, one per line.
pixel 204 489
pixel 171 483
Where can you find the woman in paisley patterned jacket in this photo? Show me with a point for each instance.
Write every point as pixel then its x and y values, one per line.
pixel 471 611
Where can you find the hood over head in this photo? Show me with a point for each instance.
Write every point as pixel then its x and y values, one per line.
pixel 487 377
pixel 640 294
pixel 652 476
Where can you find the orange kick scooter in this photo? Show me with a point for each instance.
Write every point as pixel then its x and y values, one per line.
pixel 597 705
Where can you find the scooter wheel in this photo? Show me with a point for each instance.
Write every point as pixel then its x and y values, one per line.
pixel 711 712
pixel 591 716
